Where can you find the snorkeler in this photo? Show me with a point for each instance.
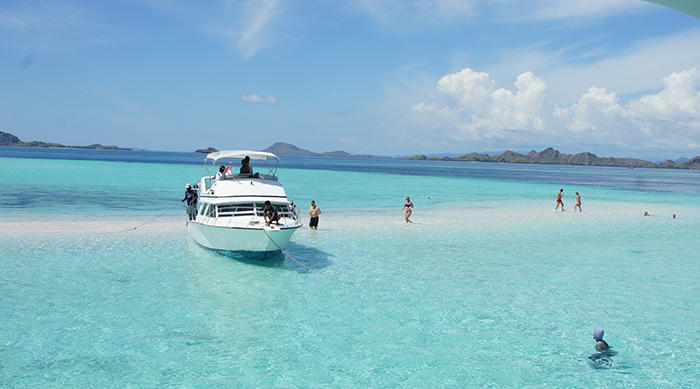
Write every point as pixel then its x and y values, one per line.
pixel 601 345
pixel 603 348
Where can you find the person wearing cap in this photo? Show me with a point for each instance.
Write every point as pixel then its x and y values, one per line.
pixel 313 213
pixel 600 345
pixel 191 197
pixel 602 358
pixel 292 208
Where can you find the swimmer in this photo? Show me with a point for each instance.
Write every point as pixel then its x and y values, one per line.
pixel 674 215
pixel 604 350
pixel 646 213
pixel 600 345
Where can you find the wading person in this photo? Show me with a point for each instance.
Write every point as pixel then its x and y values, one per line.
pixel 314 211
pixel 559 200
pixel 408 206
pixel 191 197
pixel 578 203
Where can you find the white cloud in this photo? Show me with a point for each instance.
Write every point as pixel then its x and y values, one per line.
pixel 633 71
pixel 679 101
pixel 251 25
pixel 406 14
pixel 561 9
pixel 255 99
pixel 469 109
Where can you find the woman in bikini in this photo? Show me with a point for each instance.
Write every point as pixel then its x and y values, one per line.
pixel 408 206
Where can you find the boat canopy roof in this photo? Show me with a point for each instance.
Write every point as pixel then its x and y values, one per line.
pixel 240 154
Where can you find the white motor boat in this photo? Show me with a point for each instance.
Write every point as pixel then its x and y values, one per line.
pixel 231 208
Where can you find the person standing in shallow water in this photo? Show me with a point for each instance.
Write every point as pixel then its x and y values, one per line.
pixel 314 211
pixel 191 197
pixel 408 206
pixel 559 200
pixel 578 203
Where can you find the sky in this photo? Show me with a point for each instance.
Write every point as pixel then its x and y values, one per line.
pixel 385 77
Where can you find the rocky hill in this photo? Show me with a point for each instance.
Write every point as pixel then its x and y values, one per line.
pixel 281 148
pixel 554 157
pixel 7 139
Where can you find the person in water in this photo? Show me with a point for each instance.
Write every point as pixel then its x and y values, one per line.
pixel 314 211
pixel 559 200
pixel 408 206
pixel 602 358
pixel 601 346
pixel 191 197
pixel 246 167
pixel 578 203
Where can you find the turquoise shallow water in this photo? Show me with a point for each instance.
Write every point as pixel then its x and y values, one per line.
pixel 489 288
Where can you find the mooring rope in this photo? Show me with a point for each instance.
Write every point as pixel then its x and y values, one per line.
pixel 15 282
pixel 150 221
pixel 287 254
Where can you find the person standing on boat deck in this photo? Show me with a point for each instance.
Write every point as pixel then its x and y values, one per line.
pixel 220 175
pixel 314 212
pixel 292 208
pixel 578 203
pixel 559 200
pixel 270 214
pixel 191 197
pixel 246 167
pixel 408 206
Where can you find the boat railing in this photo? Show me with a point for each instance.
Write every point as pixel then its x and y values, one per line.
pixel 255 211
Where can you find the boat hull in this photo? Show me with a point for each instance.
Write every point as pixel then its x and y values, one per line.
pixel 253 243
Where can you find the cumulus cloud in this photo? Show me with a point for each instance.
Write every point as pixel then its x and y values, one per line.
pixel 469 108
pixel 255 99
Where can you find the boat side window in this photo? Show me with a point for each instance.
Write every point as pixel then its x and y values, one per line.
pixel 208 210
pixel 229 210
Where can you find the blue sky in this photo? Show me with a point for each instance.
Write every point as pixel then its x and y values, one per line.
pixel 385 77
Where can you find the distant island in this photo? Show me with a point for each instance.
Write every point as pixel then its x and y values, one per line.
pixel 206 151
pixel 548 156
pixel 281 148
pixel 551 156
pixel 7 139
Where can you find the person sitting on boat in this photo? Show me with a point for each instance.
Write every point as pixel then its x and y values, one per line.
pixel 246 167
pixel 191 197
pixel 221 175
pixel 270 214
